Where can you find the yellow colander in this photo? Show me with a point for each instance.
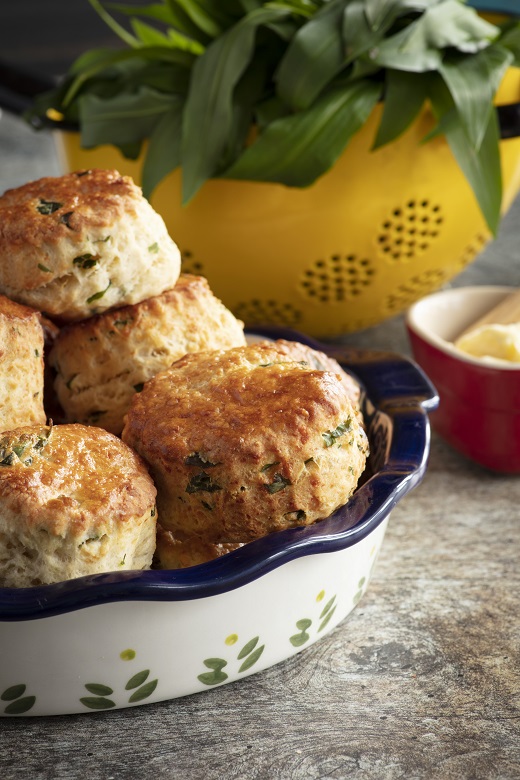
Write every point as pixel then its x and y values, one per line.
pixel 376 233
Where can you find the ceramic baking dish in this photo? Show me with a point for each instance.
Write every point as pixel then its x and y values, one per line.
pixel 121 639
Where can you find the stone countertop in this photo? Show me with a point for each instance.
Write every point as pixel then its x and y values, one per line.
pixel 422 680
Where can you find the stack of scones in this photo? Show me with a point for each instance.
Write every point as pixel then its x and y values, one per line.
pixel 137 426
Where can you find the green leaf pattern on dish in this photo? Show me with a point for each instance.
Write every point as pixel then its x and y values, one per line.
pixel 18 703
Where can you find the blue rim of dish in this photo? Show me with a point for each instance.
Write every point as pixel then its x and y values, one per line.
pixel 394 386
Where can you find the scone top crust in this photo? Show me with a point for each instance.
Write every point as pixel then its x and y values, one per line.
pixel 51 210
pixel 239 442
pixel 17 311
pixel 71 480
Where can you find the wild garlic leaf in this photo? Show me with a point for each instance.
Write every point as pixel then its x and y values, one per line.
pixel 405 94
pixel 210 100
pixel 419 46
pixel 164 148
pixel 314 56
pixel 297 149
pixel 202 483
pixel 381 14
pixel 279 483
pixel 123 119
pixel 481 169
pixel 168 12
pixel 112 58
pixel 472 83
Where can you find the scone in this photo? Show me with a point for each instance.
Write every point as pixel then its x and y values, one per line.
pixel 101 362
pixel 73 501
pixel 171 553
pixel 21 366
pixel 245 442
pixel 316 359
pixel 78 244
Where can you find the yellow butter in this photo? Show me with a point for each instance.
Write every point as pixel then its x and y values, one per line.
pixel 501 342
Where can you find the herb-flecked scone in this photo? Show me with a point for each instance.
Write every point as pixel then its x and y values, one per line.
pixel 171 553
pixel 74 245
pixel 245 442
pixel 74 500
pixel 316 359
pixel 101 362
pixel 21 365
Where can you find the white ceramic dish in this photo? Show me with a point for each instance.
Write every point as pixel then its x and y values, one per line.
pixel 117 640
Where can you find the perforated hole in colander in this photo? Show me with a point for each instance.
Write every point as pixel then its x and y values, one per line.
pixel 189 264
pixel 410 230
pixel 413 289
pixel 473 249
pixel 270 312
pixel 337 278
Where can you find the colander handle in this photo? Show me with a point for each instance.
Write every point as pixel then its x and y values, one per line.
pixel 509 120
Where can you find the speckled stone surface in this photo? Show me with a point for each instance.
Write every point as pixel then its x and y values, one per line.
pixel 422 681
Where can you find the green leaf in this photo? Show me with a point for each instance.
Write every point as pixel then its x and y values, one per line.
pixel 14 692
pixel 405 94
pixel 202 482
pixel 201 17
pixel 358 35
pixel 248 648
pixel 303 624
pixel 210 100
pixel 148 35
pixel 169 13
pixel 99 690
pixel 327 607
pixel 380 14
pixel 212 678
pixel 114 26
pixel 473 82
pixel 314 56
pixel 278 483
pixel 164 149
pixel 300 7
pixel 20 706
pixel 217 675
pixel 137 680
pixel 123 119
pixel 268 111
pixel 298 149
pixel 419 46
pixel 510 39
pixel 143 692
pixel 215 663
pixel 96 296
pixel 161 53
pixel 97 703
pixel 326 620
pixel 481 168
pixel 251 659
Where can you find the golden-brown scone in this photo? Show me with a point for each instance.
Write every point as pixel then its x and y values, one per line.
pixel 102 361
pixel 21 366
pixel 245 442
pixel 323 362
pixel 171 553
pixel 73 501
pixel 78 244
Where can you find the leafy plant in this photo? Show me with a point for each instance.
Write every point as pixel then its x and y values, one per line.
pixel 274 91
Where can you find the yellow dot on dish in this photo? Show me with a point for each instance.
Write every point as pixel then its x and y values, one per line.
pixel 320 596
pixel 127 655
pixel 231 639
pixel 372 551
